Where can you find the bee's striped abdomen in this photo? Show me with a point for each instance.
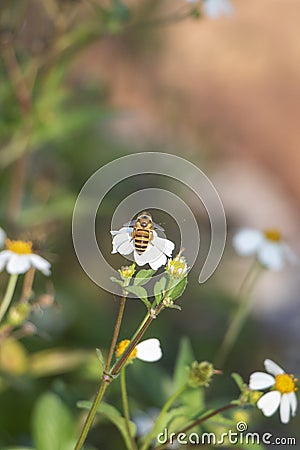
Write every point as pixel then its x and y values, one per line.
pixel 141 240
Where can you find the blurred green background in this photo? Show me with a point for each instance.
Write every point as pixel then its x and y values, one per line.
pixel 85 82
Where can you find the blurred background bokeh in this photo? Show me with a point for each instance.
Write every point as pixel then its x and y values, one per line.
pixel 85 82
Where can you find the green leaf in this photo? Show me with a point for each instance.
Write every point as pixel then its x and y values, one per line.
pixel 185 357
pixel 115 280
pixel 159 289
pixel 53 427
pixel 178 289
pixel 141 293
pixel 111 413
pixel 143 276
pixel 238 380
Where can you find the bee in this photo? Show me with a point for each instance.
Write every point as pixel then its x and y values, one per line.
pixel 142 234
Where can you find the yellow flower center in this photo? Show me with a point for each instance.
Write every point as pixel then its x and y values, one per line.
pixel 273 235
pixel 177 267
pixel 122 347
pixel 285 383
pixel 20 247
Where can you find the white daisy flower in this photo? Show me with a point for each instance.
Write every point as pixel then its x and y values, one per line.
pixel 150 249
pixel 282 394
pixel 177 267
pixel 217 8
pixel 268 246
pixel 148 350
pixel 2 237
pixel 18 258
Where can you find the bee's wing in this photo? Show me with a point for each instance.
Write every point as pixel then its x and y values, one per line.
pixel 158 227
pixel 130 224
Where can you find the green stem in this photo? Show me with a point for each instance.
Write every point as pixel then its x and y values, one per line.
pixel 91 415
pixel 104 383
pixel 164 410
pixel 241 313
pixel 196 423
pixel 8 295
pixel 126 409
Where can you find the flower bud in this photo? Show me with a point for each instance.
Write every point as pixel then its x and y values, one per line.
pixel 200 374
pixel 126 273
pixel 177 267
pixel 18 314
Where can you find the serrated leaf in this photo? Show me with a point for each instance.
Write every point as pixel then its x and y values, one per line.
pixel 185 357
pixel 178 289
pixel 141 293
pixel 159 289
pixel 53 427
pixel 111 413
pixel 143 276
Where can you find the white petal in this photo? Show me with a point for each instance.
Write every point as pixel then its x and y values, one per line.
pixel 271 255
pixel 161 261
pixel 261 380
pixel 18 264
pixel 153 256
pixel 149 350
pixel 285 408
pixel 247 241
pixel 141 260
pixel 4 256
pixel 123 242
pixel 272 367
pixel 164 245
pixel 293 402
pixel 269 403
pixel 2 237
pixel 40 264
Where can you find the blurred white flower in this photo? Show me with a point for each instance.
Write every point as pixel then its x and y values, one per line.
pixel 282 393
pixel 18 258
pixel 2 237
pixel 148 350
pixel 217 8
pixel 155 254
pixel 145 421
pixel 268 246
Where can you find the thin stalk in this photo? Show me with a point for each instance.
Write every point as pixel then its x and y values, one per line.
pixel 196 423
pixel 8 295
pixel 133 445
pixel 116 331
pixel 241 313
pixel 164 410
pixel 104 383
pixel 91 415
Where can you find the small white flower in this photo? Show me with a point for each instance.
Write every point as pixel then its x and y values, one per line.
pixel 155 254
pixel 2 237
pixel 148 350
pixel 268 246
pixel 18 258
pixel 217 8
pixel 144 421
pixel 282 393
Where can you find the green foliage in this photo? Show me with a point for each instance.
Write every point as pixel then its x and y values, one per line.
pixel 141 293
pixel 113 415
pixel 143 276
pixel 178 289
pixel 52 424
pixel 159 289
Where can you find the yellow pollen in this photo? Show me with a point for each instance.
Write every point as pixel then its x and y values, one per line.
pixel 122 347
pixel 20 247
pixel 273 235
pixel 285 383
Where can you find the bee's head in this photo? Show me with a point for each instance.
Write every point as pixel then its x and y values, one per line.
pixel 144 218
